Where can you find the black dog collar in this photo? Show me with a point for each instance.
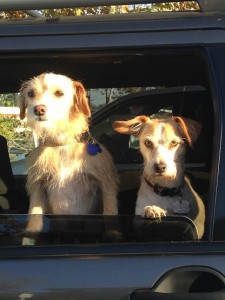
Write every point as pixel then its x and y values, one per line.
pixel 165 191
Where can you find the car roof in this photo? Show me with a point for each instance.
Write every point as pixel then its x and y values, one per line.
pixel 38 51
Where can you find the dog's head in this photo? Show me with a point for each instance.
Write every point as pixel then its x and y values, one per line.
pixel 50 97
pixel 162 144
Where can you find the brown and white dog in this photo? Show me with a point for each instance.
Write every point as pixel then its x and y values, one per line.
pixel 164 189
pixel 68 173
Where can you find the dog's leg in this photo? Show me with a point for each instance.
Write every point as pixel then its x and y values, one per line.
pixel 146 206
pixel 109 197
pixel 36 211
pixel 102 169
pixel 35 221
pixel 109 187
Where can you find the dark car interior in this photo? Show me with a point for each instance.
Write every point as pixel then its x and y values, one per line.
pixel 169 81
pixel 137 67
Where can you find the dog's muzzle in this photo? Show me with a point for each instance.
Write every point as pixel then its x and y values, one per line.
pixel 40 111
pixel 160 168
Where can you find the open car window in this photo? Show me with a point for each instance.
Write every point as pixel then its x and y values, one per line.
pixel 120 85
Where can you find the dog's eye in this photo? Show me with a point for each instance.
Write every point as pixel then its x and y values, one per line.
pixel 58 93
pixel 31 93
pixel 173 144
pixel 148 144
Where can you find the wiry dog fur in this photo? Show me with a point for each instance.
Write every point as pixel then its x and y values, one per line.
pixel 63 178
pixel 163 144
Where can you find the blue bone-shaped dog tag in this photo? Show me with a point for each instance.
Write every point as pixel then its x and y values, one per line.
pixel 93 149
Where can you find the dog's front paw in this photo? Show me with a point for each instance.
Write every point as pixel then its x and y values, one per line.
pixel 153 212
pixel 35 223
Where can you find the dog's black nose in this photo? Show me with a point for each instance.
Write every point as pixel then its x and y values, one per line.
pixel 40 110
pixel 160 167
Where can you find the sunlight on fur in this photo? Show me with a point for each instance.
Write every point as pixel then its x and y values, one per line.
pixel 63 177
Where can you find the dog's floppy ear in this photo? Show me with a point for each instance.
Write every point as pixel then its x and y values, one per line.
pixel 190 128
pixel 132 126
pixel 22 102
pixel 81 98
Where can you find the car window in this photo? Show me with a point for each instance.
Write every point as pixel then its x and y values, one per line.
pixel 172 82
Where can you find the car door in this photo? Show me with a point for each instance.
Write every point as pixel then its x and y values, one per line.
pixel 153 67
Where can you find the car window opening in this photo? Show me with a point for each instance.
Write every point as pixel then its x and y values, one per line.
pixel 159 84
